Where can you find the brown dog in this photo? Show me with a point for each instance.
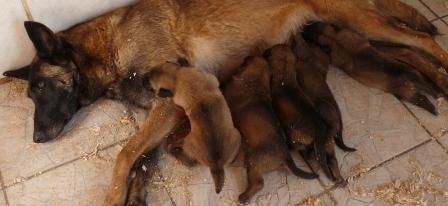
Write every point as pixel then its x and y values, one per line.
pixel 264 143
pixel 213 140
pixel 75 67
pixel 304 126
pixel 417 61
pixel 360 60
pixel 312 69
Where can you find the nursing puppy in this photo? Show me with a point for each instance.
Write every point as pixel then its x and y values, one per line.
pixel 213 140
pixel 265 145
pixel 359 59
pixel 304 126
pixel 312 69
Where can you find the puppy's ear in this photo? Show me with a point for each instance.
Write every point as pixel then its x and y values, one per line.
pixel 21 73
pixel 165 93
pixel 183 62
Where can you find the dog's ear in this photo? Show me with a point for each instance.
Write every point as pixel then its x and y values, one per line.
pixel 165 93
pixel 47 44
pixel 21 73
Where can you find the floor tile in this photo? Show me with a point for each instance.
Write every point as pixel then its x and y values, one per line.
pixel 82 182
pixel 194 186
pixel 440 7
pixel 15 48
pixel 375 123
pixel 59 15
pixel 436 125
pixel 444 141
pixel 97 126
pixel 2 199
pixel 421 8
pixel 411 173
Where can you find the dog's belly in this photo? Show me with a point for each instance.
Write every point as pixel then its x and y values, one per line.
pixel 221 44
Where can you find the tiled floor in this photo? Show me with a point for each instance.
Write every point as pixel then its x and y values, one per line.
pixel 399 147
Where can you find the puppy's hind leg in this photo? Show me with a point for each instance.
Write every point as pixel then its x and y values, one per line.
pixel 144 169
pixel 333 118
pixel 255 183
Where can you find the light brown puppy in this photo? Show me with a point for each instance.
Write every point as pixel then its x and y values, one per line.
pixel 312 69
pixel 264 143
pixel 304 126
pixel 213 140
pixel 360 60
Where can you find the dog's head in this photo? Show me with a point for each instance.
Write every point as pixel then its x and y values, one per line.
pixel 53 81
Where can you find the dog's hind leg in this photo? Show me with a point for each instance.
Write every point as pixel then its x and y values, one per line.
pixel 417 61
pixel 160 122
pixel 376 27
pixel 407 15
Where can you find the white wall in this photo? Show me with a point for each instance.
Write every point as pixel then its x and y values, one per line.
pixel 16 49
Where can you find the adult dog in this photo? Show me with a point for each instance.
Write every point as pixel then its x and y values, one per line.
pixel 75 67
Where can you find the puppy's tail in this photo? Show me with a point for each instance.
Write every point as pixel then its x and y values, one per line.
pixel 218 177
pixel 339 140
pixel 297 171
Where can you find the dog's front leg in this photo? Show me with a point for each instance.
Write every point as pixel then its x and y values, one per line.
pixel 161 120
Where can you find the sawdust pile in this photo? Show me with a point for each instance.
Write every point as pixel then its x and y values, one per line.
pixel 313 201
pixel 410 192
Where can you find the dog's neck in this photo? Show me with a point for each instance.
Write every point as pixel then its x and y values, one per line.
pixel 92 40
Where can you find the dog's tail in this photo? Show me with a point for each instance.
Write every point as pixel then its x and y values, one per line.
pixel 297 171
pixel 218 177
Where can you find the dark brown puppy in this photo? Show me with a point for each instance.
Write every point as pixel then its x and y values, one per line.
pixel 304 126
pixel 264 143
pixel 213 140
pixel 312 69
pixel 354 54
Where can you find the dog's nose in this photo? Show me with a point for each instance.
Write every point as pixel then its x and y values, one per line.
pixel 39 137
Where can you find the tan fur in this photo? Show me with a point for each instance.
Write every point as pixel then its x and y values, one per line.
pixel 213 140
pixel 264 142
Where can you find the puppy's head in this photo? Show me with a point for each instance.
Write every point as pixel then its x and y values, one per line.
pixel 282 61
pixel 255 68
pixel 162 79
pixel 320 33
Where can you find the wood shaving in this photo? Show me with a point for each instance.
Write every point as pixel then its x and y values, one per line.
pixel 94 154
pixel 313 201
pixel 441 133
pixel 410 192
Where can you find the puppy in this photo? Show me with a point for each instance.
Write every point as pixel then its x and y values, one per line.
pixel 264 144
pixel 304 126
pixel 213 140
pixel 312 69
pixel 354 54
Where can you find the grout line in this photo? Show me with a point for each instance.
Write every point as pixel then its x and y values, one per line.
pixel 436 139
pixel 429 8
pixel 26 7
pixel 3 188
pixel 61 165
pixel 435 14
